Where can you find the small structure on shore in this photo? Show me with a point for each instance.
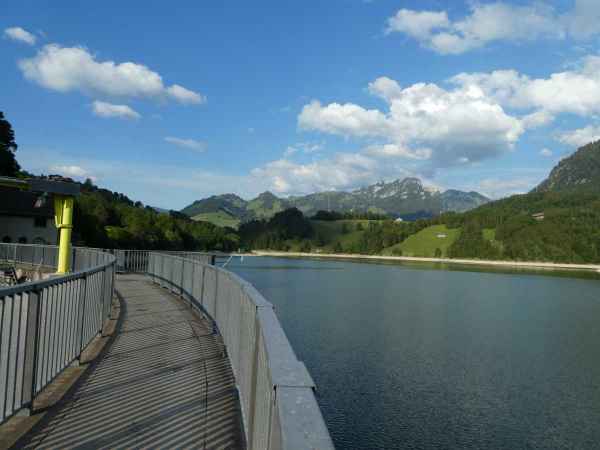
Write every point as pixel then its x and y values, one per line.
pixel 538 216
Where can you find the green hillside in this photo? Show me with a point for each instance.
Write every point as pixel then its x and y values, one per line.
pixel 431 242
pixel 219 218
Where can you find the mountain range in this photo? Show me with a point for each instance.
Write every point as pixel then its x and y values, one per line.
pixel 407 199
pixel 580 171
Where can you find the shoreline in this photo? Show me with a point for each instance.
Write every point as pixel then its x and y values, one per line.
pixel 473 262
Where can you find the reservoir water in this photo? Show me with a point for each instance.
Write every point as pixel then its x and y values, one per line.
pixel 410 356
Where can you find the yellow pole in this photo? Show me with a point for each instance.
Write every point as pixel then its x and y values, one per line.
pixel 63 216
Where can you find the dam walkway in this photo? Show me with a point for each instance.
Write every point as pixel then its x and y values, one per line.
pixel 164 381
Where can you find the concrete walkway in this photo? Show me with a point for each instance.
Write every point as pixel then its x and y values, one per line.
pixel 163 383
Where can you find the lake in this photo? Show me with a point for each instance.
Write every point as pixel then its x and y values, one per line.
pixel 416 356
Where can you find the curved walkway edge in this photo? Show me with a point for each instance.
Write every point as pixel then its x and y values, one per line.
pixel 164 382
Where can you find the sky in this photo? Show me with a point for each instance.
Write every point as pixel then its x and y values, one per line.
pixel 169 103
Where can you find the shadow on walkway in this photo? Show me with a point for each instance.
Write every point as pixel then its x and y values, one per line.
pixel 163 383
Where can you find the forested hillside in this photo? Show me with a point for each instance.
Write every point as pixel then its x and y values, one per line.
pixel 580 171
pixel 108 219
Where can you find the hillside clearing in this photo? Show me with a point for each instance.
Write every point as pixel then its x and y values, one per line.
pixel 425 242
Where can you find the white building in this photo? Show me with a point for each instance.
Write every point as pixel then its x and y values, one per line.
pixel 21 221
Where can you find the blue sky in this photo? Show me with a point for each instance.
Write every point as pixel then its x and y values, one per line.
pixel 171 103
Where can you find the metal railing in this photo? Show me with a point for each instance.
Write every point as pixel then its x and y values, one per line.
pixel 45 325
pixel 278 404
pixel 136 261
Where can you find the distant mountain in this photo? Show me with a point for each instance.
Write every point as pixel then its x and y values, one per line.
pixel 579 171
pixel 460 201
pixel 406 198
pixel 266 205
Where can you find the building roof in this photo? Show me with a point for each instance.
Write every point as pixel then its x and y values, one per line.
pixel 14 202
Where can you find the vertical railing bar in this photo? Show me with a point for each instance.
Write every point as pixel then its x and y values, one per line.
pixel 4 303
pixel 65 327
pixel 62 329
pixel 191 295
pixel 82 300
pixel 57 292
pixel 30 359
pixel 72 328
pixel 102 284
pixel 44 354
pixel 14 393
pixel 12 313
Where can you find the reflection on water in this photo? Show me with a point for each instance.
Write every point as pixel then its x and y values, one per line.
pixel 411 356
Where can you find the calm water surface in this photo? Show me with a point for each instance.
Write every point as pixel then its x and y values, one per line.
pixel 407 356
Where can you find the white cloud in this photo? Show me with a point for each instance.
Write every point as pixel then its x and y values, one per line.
pixel 417 24
pixel 183 95
pixel 71 171
pixel 342 171
pixel 302 147
pixel 347 119
pixel 395 150
pixel 107 110
pixel 498 188
pixel 289 151
pixel 21 35
pixel 546 152
pixel 574 91
pixel 385 88
pixel 454 126
pixel 581 136
pixel 191 144
pixel 66 69
pixel 498 21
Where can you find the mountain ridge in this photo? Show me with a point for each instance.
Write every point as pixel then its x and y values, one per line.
pixel 579 171
pixel 405 198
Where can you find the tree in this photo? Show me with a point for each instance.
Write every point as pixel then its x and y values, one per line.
pixel 8 163
pixel 438 253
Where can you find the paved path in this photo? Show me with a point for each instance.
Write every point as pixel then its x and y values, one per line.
pixel 164 383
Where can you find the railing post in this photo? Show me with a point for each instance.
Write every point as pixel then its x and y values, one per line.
pixel 103 293
pixel 191 295
pixel 31 349
pixel 82 300
pixel 182 274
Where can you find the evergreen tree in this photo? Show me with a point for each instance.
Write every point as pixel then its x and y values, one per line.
pixel 9 167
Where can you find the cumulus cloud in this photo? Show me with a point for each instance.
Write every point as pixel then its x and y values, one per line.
pixel 581 136
pixel 20 34
pixel 424 121
pixel 66 69
pixel 498 188
pixel 72 171
pixel 498 21
pixel 183 95
pixel 396 150
pixel 346 119
pixel 108 110
pixel 340 172
pixel 190 144
pixel 574 91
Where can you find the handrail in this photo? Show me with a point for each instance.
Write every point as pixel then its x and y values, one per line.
pixel 45 325
pixel 136 261
pixel 278 405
